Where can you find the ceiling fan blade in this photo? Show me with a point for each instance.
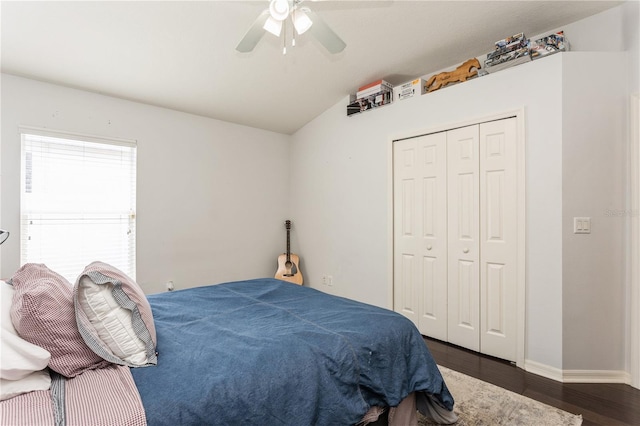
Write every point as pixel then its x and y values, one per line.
pixel 324 34
pixel 254 34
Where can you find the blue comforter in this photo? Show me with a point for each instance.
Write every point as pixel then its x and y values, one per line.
pixel 267 352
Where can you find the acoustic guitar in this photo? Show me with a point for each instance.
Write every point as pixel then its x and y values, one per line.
pixel 288 263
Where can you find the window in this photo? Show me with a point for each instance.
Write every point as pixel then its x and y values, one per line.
pixel 78 202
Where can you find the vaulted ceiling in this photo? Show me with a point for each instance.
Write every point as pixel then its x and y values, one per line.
pixel 181 54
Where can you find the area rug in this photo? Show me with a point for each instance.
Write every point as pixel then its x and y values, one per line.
pixel 479 403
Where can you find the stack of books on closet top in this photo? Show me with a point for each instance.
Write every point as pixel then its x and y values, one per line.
pixel 370 96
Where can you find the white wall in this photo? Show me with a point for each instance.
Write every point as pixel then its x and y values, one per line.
pixel 593 185
pixel 614 30
pixel 342 181
pixel 341 178
pixel 212 196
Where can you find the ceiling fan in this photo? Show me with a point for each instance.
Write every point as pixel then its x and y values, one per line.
pixel 275 18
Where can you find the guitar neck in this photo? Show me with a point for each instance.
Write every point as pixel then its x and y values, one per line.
pixel 287 225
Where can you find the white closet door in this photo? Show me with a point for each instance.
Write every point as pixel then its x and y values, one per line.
pixel 406 286
pixel 456 235
pixel 498 238
pixel 463 223
pixel 420 232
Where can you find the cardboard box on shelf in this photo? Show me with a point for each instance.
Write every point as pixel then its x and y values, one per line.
pixel 374 87
pixel 409 89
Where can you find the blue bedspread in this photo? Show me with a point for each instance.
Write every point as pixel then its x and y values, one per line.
pixel 267 352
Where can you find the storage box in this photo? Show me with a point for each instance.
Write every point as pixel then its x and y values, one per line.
pixel 550 44
pixel 514 42
pixel 370 102
pixel 377 99
pixel 374 83
pixel 410 89
pixel 507 60
pixel 373 88
pixel 353 108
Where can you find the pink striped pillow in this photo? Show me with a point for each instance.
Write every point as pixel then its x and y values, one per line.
pixel 43 314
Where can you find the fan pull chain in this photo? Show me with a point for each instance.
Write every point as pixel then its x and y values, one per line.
pixel 293 31
pixel 284 37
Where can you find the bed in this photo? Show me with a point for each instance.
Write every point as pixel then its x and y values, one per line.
pixel 254 352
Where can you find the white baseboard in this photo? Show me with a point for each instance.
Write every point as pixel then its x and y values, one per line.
pixel 543 370
pixel 596 376
pixel 577 376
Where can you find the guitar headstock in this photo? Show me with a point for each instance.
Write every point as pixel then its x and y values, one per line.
pixel 287 224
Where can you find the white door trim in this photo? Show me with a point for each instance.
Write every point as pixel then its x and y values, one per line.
pixel 519 114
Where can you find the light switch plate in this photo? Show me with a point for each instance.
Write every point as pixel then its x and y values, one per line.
pixel 581 225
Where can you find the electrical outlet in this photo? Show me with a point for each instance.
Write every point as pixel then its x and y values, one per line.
pixel 170 286
pixel 327 280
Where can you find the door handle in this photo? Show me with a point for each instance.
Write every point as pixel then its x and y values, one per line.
pixel 465 250
pixel 429 247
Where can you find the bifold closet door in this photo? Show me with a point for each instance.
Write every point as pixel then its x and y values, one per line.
pixel 420 232
pixel 482 256
pixel 455 235
pixel 463 166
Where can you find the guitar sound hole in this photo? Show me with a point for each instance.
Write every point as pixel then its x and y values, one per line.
pixel 291 269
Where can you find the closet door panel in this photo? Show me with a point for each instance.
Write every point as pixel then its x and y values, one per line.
pixel 406 285
pixel 420 232
pixel 498 232
pixel 433 170
pixel 463 236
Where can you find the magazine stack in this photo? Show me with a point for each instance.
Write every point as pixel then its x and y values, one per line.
pixel 508 52
pixel 370 96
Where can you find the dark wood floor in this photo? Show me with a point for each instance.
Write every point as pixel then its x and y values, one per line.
pixel 599 404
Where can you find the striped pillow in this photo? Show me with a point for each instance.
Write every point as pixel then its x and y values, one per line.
pixel 114 316
pixel 42 313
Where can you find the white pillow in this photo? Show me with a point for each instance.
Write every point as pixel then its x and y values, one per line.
pixel 18 358
pixel 114 316
pixel 38 380
pixel 111 321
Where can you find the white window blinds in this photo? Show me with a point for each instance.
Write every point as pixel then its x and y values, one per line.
pixel 78 202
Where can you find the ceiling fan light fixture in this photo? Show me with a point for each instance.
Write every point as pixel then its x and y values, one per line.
pixel 274 20
pixel 301 21
pixel 273 26
pixel 279 9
